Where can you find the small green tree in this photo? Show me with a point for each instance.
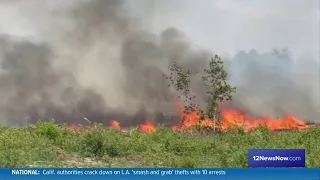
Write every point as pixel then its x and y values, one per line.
pixel 215 81
pixel 218 89
pixel 180 80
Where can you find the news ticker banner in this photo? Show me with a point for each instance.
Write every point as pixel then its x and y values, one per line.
pixel 290 161
pixel 162 173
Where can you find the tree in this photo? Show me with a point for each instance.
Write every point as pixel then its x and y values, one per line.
pixel 180 79
pixel 215 81
pixel 218 89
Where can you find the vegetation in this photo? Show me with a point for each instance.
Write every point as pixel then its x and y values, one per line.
pixel 47 145
pixel 215 81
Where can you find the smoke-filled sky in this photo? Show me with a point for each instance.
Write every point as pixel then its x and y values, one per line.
pixel 225 26
pixel 104 59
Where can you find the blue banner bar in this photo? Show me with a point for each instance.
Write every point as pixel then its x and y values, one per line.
pixel 161 173
pixel 276 158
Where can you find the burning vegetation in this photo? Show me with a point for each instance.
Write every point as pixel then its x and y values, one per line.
pixel 231 119
pixel 215 117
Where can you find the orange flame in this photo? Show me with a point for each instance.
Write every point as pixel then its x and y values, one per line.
pixel 147 127
pixel 231 119
pixel 74 127
pixel 234 119
pixel 115 124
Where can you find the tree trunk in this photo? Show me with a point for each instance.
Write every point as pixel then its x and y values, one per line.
pixel 214 119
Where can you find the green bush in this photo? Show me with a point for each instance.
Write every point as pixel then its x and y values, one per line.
pixel 92 143
pixel 22 148
pixel 49 130
pixel 47 145
pixel 99 142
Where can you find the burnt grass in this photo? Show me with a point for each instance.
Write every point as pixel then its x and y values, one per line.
pixel 48 145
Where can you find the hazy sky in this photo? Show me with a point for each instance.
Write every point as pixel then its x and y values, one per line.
pixel 223 26
pixel 231 25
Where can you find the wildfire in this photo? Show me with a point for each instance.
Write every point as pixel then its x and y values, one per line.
pixel 147 127
pixel 231 118
pixel 73 126
pixel 115 124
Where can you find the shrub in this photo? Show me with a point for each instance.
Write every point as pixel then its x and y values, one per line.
pixel 48 129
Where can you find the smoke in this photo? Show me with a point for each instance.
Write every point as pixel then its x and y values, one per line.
pixel 94 59
pixel 275 83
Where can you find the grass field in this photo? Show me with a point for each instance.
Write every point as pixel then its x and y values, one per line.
pixel 47 145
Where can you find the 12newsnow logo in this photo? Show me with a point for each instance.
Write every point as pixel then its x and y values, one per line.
pixel 276 158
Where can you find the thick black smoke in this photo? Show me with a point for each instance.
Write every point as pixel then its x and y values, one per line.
pixel 94 60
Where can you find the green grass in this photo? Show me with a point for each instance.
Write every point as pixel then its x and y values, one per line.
pixel 47 145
